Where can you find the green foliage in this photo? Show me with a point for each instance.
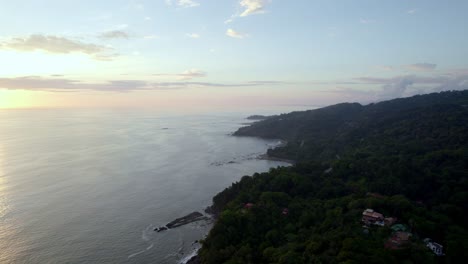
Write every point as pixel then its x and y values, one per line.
pixel 406 158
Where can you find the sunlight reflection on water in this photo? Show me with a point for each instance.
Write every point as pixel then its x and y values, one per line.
pixel 78 186
pixel 6 228
pixel 3 189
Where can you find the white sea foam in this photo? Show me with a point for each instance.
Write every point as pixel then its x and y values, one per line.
pixel 189 256
pixel 144 233
pixel 136 254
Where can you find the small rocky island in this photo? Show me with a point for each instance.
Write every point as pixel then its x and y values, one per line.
pixel 190 218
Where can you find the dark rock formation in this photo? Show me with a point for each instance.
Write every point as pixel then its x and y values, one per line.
pixel 190 218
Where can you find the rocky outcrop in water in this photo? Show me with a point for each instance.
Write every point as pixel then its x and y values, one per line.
pixel 190 218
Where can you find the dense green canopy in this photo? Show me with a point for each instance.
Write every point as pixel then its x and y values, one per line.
pixel 406 158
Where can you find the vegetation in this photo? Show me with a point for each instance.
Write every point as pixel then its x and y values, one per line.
pixel 412 153
pixel 257 117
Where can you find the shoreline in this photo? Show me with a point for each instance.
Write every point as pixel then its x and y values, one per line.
pixel 272 158
pixel 281 143
pixel 193 258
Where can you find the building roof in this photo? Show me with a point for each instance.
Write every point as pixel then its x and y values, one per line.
pixel 372 213
pixel 398 240
pixel 402 236
pixel 399 227
pixel 248 205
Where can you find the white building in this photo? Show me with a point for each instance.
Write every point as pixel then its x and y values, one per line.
pixel 437 248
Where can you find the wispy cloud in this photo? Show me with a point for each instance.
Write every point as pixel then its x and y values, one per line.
pixel 411 11
pixel 114 34
pixel 234 34
pixel 186 75
pixel 122 26
pixel 269 82
pixel 386 67
pixel 183 3
pixel 366 21
pixel 193 35
pixel 187 3
pixel 417 67
pixel 422 66
pixel 106 57
pixel 249 7
pixel 229 20
pixel 58 45
pixel 252 7
pixel 37 83
pixel 193 73
pixel 151 37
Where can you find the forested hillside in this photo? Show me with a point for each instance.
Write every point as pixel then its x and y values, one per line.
pixel 404 158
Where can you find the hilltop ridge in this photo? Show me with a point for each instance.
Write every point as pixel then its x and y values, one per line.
pixel 404 158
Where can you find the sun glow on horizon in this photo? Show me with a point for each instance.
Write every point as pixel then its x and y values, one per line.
pixel 16 99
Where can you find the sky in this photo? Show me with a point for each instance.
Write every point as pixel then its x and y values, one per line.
pixel 189 54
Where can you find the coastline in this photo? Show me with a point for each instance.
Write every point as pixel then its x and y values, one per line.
pixel 193 258
pixel 281 143
pixel 268 157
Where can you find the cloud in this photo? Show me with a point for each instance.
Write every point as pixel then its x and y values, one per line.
pixel 407 85
pixel 122 26
pixel 186 75
pixel 269 82
pixel 193 35
pixel 229 20
pixel 234 34
pixel 250 7
pixel 366 21
pixel 386 67
pixel 183 3
pixel 373 89
pixel 115 34
pixel 151 37
pixel 411 11
pixel 253 7
pixel 187 3
pixel 37 83
pixel 106 57
pixel 419 67
pixel 422 66
pixel 193 73
pixel 397 88
pixel 58 45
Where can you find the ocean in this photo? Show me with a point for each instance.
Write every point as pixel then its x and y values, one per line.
pixel 89 186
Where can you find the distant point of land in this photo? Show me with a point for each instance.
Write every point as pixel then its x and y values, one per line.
pixel 257 117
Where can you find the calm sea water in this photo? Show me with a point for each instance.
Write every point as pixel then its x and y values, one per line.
pixel 90 186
